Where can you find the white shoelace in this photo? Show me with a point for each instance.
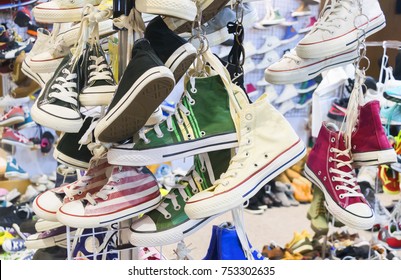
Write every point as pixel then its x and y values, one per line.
pixel 347 178
pixel 171 196
pixel 193 180
pixel 76 189
pixel 106 189
pixel 99 70
pixel 65 88
pixel 181 109
pixel 333 14
pixel 292 56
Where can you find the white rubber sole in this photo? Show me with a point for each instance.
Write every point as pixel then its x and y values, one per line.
pixel 310 70
pixel 42 213
pixel 374 158
pixel 130 157
pixel 272 47
pixel 41 78
pixel 183 9
pixel 236 195
pixel 16 175
pixel 43 225
pixel 166 237
pixel 45 66
pixel 46 242
pixel 17 144
pixel 71 36
pixel 12 120
pixel 63 159
pixel 132 111
pixel 57 16
pixel 341 43
pixel 96 99
pixel 55 122
pixel 181 60
pixel 103 220
pixel 338 212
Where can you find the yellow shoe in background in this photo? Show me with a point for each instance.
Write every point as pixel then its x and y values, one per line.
pixel 5 235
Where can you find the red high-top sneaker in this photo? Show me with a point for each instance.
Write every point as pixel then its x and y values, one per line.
pixel 329 166
pixel 370 145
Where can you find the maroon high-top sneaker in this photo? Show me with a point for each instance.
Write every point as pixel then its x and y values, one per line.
pixel 329 166
pixel 370 145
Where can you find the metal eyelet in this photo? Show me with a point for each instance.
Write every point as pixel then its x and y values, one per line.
pixel 160 136
pixel 337 188
pixel 333 179
pixel 341 196
pixel 178 207
pixel 168 216
pixel 71 198
pixel 170 129
pixel 333 139
pixel 248 117
pixel 331 150
pixel 79 192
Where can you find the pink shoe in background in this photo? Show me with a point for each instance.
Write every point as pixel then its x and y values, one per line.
pixel 14 138
pixel 370 145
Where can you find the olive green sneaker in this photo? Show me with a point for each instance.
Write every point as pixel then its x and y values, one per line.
pixel 203 122
pixel 317 213
pixel 168 223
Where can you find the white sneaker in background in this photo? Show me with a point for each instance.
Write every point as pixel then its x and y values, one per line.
pixel 292 69
pixel 286 106
pixel 56 11
pixel 333 33
pixel 270 92
pixel 268 59
pixel 301 11
pixel 288 93
pixel 249 66
pixel 270 43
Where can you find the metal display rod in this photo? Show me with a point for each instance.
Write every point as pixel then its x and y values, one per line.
pixel 123 7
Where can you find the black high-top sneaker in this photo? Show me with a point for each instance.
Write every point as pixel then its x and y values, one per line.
pixel 70 152
pixel 146 82
pixel 99 83
pixel 175 52
pixel 57 106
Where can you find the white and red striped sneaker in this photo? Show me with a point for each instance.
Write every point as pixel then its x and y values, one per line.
pixel 46 204
pixel 130 192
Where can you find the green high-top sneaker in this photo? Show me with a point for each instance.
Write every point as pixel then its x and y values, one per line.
pixel 202 123
pixel 168 223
